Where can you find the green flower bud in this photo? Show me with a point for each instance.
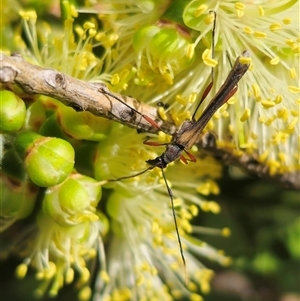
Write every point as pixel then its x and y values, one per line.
pixel 165 44
pixel 74 201
pixel 175 10
pixel 17 199
pixel 66 122
pixel 142 35
pixel 114 204
pixel 52 128
pixel 48 161
pixel 73 196
pixel 36 113
pixel 195 14
pixel 82 125
pixel 12 111
pixel 168 49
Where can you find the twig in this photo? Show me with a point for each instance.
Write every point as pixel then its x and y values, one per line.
pixel 248 163
pixel 78 94
pixel 89 96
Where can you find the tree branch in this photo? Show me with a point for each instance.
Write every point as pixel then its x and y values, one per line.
pixel 79 94
pixel 247 163
pixel 95 98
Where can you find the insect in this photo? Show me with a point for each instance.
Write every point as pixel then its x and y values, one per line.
pixel 162 105
pixel 189 132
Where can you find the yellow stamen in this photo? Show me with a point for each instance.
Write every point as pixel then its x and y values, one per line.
pixel 261 11
pixel 260 35
pixel 28 15
pixel 262 157
pixel 275 26
pixel 50 272
pixel 104 276
pixel 124 73
pixel 204 205
pixel 287 21
pixel 273 167
pixel 270 120
pixel 195 297
pixel 115 79
pixel 289 42
pixel 162 113
pixel 296 48
pixel 192 286
pixel 168 78
pixel 205 287
pixel 92 32
pixel 292 124
pixel 140 280
pixel 214 207
pixel 210 62
pixel 194 210
pixel 239 9
pixel 246 114
pixel 153 271
pixel 206 53
pixel 185 214
pixel 21 270
pixel 274 61
pixel 268 104
pixel 190 51
pixel 278 99
pixel 294 113
pixel 226 232
pixel 209 19
pixel 231 101
pixel 85 275
pixel 282 157
pixel 239 5
pixel 39 275
pixel 294 90
pixel 186 226
pixel 181 100
pixel 256 92
pixel 74 12
pixel 163 137
pixel 177 202
pixel 88 25
pixel 192 97
pixel 69 275
pixel 239 13
pixel 79 30
pixel 245 60
pixel 253 136
pixel 226 261
pixel 206 57
pixel 99 36
pixel 293 73
pixel 248 30
pixel 200 10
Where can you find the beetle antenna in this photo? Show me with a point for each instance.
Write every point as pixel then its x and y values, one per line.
pixel 176 225
pixel 132 176
pixel 208 88
pixel 150 120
